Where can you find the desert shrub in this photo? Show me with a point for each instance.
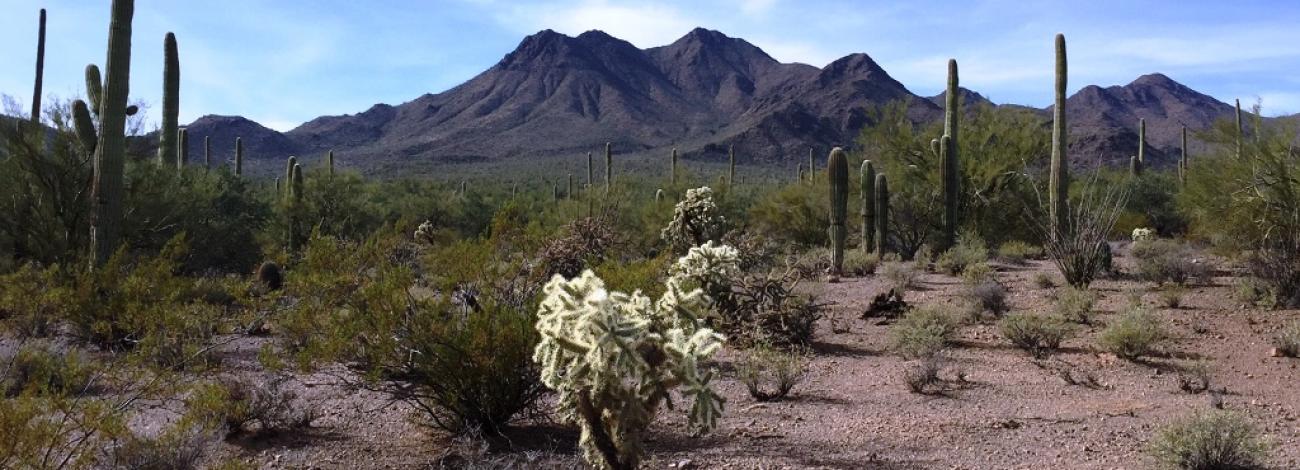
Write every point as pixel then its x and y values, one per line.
pixel 1135 334
pixel 1195 378
pixel 1079 248
pixel 769 373
pixel 923 332
pixel 756 252
pixel 43 181
pixel 696 219
pixel 1172 296
pixel 923 376
pixel 1040 335
pixel 924 259
pixel 1044 281
pixel 614 358
pixel 968 251
pixel 1212 439
pixel 1277 269
pixel 811 263
pixel 584 243
pixel 180 447
pixel 259 406
pixel 795 214
pixel 1288 340
pixel 1075 305
pixel 1163 260
pixel 1017 252
pixel 860 263
pixel 646 275
pixel 40 369
pixel 990 296
pixel 901 276
pixel 33 299
pixel 269 277
pixel 769 309
pixel 978 273
pixel 1251 290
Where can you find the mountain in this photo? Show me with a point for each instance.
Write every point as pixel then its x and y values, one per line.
pixel 257 139
pixel 556 95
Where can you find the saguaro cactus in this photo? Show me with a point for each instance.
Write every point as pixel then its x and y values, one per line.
pixel 40 69
pixel 207 151
pixel 568 192
pixel 609 166
pixel 94 88
pixel 171 101
pixel 798 172
pixel 867 173
pixel 1134 165
pixel 329 162
pixel 731 171
pixel 295 198
pixel 1182 160
pixel 1142 140
pixel 106 186
pixel 673 169
pixel 183 148
pixel 239 156
pixel 1239 128
pixel 950 190
pixel 812 167
pixel 882 214
pixel 590 172
pixel 288 171
pixel 837 175
pixel 85 126
pixel 1059 179
pixel 659 196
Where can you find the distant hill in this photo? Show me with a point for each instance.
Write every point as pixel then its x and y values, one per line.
pixel 557 95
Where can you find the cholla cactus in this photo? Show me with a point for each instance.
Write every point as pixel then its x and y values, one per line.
pixel 614 357
pixel 710 263
pixel 1143 234
pixel 425 231
pixel 695 220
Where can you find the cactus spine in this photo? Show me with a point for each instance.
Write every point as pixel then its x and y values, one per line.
pixel 171 103
pixel 1239 129
pixel 950 164
pixel 609 166
pixel 867 173
pixel 882 214
pixel 1059 179
pixel 329 161
pixel 837 175
pixel 239 156
pixel 207 151
pixel 1182 160
pixel 106 187
pixel 731 171
pixel 40 69
pixel 673 177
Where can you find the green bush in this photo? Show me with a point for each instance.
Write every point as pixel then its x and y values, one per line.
pixel 770 374
pixel 901 276
pixel 257 406
pixel 1018 252
pixel 923 332
pixel 1213 439
pixel 33 300
pixel 1288 340
pixel 1163 260
pixel 859 263
pixel 1134 334
pixel 41 369
pixel 1075 305
pixel 1040 335
pixel 969 251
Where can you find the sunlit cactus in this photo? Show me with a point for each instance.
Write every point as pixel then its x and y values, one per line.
pixel 1182 160
pixel 1134 165
pixel 110 152
pixel 84 125
pixel 94 88
pixel 40 69
pixel 614 358
pixel 867 173
pixel 329 162
pixel 882 214
pixel 950 163
pixel 1239 128
pixel 288 169
pixel 696 219
pixel 1059 176
pixel 183 148
pixel 659 196
pixel 837 175
pixel 812 167
pixel 568 192
pixel 171 105
pixel 1142 141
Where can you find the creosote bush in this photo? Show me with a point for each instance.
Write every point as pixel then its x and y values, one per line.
pixel 1167 261
pixel 901 276
pixel 859 263
pixel 1019 252
pixel 1210 440
pixel 988 296
pixel 1075 305
pixel 1040 335
pixel 1136 333
pixel 255 406
pixel 923 332
pixel 970 250
pixel 41 369
pixel 1288 340
pixel 769 374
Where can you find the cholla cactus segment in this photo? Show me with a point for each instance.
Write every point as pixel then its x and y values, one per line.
pixel 708 263
pixel 425 232
pixel 614 358
pixel 1143 234
pixel 696 219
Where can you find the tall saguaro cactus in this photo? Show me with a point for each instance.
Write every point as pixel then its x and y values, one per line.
pixel 882 214
pixel 591 178
pixel 812 167
pixel 867 175
pixel 1182 160
pixel 837 175
pixel 183 148
pixel 1059 179
pixel 207 151
pixel 40 69
pixel 296 234
pixel 106 186
pixel 288 172
pixel 239 156
pixel 171 101
pixel 798 173
pixel 609 166
pixel 1142 141
pixel 731 171
pixel 1239 128
pixel 568 193
pixel 673 176
pixel 951 180
pixel 84 125
pixel 1134 165
pixel 329 162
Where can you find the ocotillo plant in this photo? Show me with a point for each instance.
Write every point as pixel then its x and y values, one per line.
pixel 1142 141
pixel 1239 128
pixel 609 166
pixel 106 186
pixel 207 151
pixel 731 171
pixel 40 69
pixel 882 214
pixel 868 182
pixel 1182 160
pixel 1059 179
pixel 183 148
pixel 329 162
pixel 171 103
pixel 239 156
pixel 837 175
pixel 673 169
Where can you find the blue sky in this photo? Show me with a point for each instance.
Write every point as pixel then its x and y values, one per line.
pixel 282 62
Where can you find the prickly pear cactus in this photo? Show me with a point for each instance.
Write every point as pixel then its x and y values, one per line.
pixel 614 358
